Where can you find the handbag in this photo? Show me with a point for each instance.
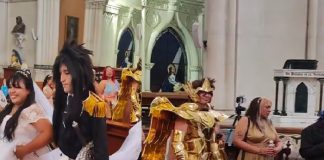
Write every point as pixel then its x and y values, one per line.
pixel 87 150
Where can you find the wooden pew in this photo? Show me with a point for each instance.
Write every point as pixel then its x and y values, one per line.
pixel 116 134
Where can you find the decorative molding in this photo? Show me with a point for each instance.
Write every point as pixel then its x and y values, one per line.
pixel 43 67
pixel 95 4
pixel 16 1
pixel 152 18
pixel 195 68
pixel 192 7
pixel 112 9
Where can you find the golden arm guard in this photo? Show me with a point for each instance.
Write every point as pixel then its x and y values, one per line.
pixel 136 109
pixel 218 150
pixel 178 146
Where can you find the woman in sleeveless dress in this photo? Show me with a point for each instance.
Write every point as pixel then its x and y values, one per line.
pixel 108 89
pixel 255 135
pixel 24 129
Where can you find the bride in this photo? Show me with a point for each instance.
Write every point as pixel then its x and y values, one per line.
pixel 25 129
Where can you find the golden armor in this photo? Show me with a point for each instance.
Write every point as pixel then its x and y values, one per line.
pixel 198 143
pixel 128 107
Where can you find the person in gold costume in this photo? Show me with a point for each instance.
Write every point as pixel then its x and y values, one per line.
pixel 128 107
pixel 192 127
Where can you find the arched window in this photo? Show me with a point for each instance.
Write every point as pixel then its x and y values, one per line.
pixel 168 49
pixel 301 98
pixel 125 49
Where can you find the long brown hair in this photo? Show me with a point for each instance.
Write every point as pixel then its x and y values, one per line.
pixel 253 111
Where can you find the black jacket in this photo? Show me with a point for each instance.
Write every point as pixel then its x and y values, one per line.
pixel 92 129
pixel 312 142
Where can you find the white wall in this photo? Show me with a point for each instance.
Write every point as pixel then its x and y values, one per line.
pixel 320 35
pixel 269 32
pixel 28 12
pixel 3 35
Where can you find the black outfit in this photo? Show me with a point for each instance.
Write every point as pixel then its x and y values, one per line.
pixel 312 142
pixel 92 129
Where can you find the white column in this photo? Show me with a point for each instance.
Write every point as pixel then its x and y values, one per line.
pixel 146 65
pixel 109 38
pixel 320 35
pixel 93 30
pixel 47 31
pixel 220 54
pixel 4 60
pixel 312 29
pixel 48 12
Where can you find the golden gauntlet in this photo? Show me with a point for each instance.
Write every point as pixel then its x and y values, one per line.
pixel 178 146
pixel 218 151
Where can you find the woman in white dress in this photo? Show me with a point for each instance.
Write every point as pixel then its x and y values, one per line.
pixel 24 128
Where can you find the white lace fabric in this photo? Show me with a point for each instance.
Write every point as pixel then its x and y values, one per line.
pixel 24 133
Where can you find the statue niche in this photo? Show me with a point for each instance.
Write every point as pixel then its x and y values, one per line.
pixel 168 50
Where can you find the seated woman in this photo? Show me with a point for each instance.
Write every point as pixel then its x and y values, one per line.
pixel 170 84
pixel 108 89
pixel 25 131
pixel 49 88
pixel 255 135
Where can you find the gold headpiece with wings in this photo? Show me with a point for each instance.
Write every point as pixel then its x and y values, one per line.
pixel 206 87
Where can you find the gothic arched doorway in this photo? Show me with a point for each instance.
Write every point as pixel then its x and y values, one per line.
pixel 168 49
pixel 301 98
pixel 125 49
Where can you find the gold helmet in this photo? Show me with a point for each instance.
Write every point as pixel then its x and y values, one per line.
pixel 193 93
pixel 206 87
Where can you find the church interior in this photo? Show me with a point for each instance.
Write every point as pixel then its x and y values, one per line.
pixel 251 48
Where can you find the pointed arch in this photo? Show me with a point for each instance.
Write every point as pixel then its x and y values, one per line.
pixel 168 49
pixel 301 98
pixel 125 48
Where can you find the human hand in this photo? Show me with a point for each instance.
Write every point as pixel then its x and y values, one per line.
pixel 20 151
pixel 276 150
pixel 269 151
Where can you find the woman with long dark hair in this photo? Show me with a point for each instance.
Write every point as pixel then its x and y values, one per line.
pixel 25 130
pixel 254 133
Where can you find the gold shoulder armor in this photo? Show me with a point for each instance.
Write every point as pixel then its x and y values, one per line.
pixel 218 115
pixel 95 106
pixel 186 111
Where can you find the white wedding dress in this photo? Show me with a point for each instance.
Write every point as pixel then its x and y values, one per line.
pixel 24 133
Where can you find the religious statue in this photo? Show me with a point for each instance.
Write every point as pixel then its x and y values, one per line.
pixel 126 63
pixel 170 84
pixel 15 61
pixel 19 31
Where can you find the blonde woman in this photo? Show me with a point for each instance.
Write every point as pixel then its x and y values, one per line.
pixel 255 134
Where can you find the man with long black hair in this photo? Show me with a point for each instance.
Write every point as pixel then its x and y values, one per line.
pixel 79 115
